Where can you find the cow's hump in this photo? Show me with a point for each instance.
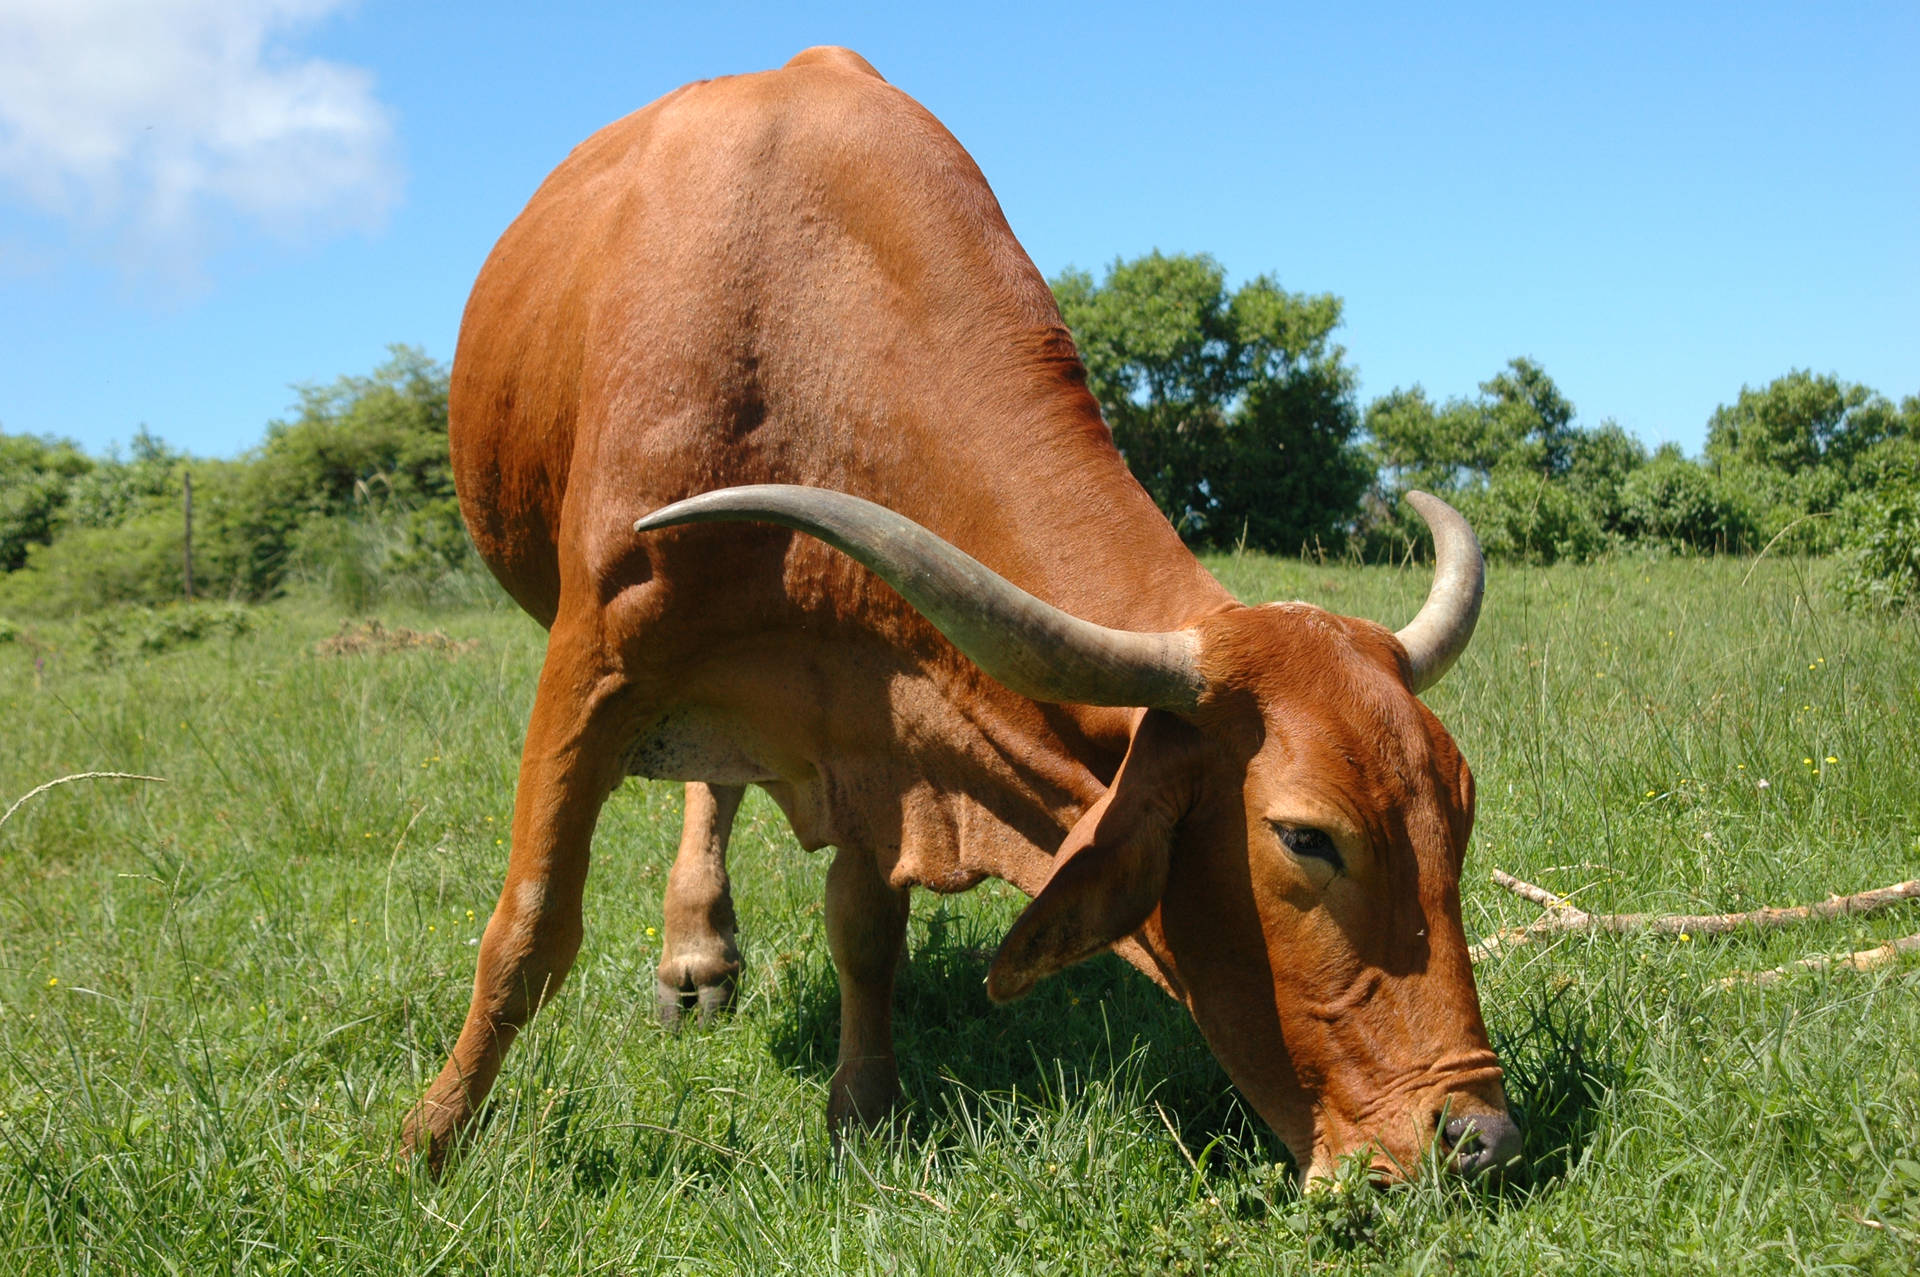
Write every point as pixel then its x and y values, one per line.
pixel 835 56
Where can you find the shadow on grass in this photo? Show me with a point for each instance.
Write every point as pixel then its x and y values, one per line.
pixel 1100 1023
pixel 1103 1023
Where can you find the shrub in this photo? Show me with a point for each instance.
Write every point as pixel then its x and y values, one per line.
pixel 337 557
pixel 1880 551
pixel 1675 503
pixel 140 560
pixel 114 633
pixel 164 629
pixel 1536 487
pixel 1796 511
pixel 387 553
pixel 1890 464
pixel 89 568
pixel 1525 517
pixel 369 453
pixel 361 447
pixel 1601 461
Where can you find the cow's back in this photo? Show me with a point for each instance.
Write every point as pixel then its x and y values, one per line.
pixel 797 276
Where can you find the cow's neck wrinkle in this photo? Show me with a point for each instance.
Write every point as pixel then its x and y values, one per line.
pixel 989 786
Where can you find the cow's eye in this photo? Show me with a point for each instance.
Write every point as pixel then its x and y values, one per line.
pixel 1311 842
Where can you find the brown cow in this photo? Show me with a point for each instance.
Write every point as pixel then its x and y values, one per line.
pixel 800 279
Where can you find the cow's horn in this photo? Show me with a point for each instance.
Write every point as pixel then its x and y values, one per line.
pixel 1033 647
pixel 1435 638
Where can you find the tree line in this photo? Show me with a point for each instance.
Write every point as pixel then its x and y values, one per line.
pixel 353 493
pixel 1235 408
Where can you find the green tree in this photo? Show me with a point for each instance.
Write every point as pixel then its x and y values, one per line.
pixel 1600 461
pixel 1520 422
pixel 1235 410
pixel 1800 445
pixel 1528 420
pixel 1535 485
pixel 1801 422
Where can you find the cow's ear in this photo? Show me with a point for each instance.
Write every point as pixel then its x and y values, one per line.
pixel 1111 871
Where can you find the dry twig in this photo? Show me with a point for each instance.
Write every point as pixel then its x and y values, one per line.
pixel 1198 1174
pixel 1177 1141
pixel 37 790
pixel 926 1197
pixel 1562 916
pixel 1880 1226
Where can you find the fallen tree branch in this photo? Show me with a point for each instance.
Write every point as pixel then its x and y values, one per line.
pixel 1858 960
pixel 37 790
pixel 1562 916
pixel 1539 895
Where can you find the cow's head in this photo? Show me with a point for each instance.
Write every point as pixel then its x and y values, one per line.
pixel 1284 838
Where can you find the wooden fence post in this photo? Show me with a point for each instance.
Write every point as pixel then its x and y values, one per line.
pixel 186 508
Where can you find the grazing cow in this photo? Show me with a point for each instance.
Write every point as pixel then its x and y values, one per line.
pixel 790 301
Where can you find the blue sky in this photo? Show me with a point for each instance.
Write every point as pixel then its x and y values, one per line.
pixel 203 202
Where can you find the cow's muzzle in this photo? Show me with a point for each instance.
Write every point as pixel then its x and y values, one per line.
pixel 1481 1144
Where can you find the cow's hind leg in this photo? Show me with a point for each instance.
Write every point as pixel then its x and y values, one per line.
pixel 700 956
pixel 570 764
pixel 866 926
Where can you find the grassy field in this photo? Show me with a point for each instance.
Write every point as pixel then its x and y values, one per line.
pixel 219 994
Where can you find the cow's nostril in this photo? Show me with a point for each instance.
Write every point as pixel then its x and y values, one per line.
pixel 1482 1143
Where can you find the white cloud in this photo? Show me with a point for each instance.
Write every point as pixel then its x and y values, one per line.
pixel 147 122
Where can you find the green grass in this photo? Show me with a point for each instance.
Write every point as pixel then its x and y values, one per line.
pixel 219 995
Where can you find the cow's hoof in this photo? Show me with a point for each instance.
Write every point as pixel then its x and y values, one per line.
pixel 862 1102
pixel 679 1000
pixel 428 1143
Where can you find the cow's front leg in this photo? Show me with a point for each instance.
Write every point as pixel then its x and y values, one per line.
pixel 569 766
pixel 866 926
pixel 700 957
